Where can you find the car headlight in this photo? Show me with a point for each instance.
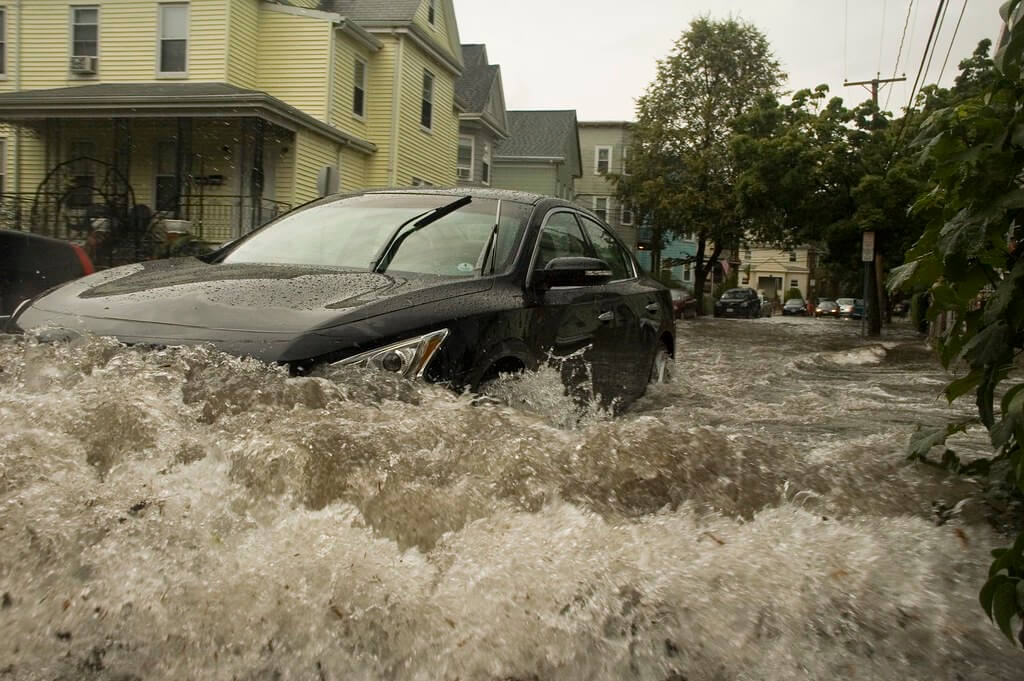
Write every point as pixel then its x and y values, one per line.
pixel 408 358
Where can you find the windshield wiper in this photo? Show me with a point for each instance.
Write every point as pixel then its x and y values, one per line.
pixel 394 242
pixel 491 241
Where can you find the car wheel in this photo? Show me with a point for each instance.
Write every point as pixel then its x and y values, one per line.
pixel 661 368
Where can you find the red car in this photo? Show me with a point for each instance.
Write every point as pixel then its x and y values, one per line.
pixel 826 308
pixel 684 305
pixel 31 264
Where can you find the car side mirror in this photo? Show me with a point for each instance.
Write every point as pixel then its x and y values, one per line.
pixel 572 271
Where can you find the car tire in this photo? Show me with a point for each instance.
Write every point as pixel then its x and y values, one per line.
pixel 661 367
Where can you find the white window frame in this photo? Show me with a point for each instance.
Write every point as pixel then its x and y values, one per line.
pixel 71 39
pixel 625 209
pixel 159 39
pixel 607 207
pixel 472 157
pixel 362 86
pixel 423 99
pixel 3 43
pixel 432 12
pixel 626 153
pixel 597 160
pixel 485 159
pixel 3 164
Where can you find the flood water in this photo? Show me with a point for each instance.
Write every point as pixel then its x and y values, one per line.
pixel 181 514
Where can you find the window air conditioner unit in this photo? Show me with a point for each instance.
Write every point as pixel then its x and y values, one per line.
pixel 463 173
pixel 83 64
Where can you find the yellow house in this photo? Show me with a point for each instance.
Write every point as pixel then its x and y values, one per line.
pixel 221 113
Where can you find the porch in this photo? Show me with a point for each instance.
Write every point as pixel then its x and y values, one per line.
pixel 137 160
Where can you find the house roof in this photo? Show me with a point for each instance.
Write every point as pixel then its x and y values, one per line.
pixel 538 134
pixel 371 11
pixel 474 86
pixel 153 100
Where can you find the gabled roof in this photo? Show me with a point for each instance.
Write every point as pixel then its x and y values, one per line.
pixel 549 135
pixel 480 91
pixel 372 11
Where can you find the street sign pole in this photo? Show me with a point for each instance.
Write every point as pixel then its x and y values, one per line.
pixel 867 255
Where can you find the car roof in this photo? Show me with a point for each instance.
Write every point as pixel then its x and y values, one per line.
pixel 475 192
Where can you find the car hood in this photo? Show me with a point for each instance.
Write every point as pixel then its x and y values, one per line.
pixel 188 300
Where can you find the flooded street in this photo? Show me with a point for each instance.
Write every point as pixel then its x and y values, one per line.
pixel 182 514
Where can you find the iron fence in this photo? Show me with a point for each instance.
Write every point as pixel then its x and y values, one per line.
pixel 216 219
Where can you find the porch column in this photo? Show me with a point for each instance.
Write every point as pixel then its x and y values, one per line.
pixel 256 176
pixel 122 161
pixel 183 169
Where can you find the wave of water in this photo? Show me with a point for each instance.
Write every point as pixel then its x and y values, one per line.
pixel 183 514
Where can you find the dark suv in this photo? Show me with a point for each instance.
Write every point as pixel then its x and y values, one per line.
pixel 30 264
pixel 739 302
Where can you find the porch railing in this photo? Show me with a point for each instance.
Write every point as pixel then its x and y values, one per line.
pixel 216 219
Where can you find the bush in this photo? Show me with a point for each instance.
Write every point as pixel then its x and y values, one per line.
pixel 793 293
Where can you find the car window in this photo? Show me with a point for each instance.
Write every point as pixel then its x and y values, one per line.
pixel 560 238
pixel 608 249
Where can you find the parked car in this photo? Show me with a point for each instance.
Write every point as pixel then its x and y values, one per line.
pixel 684 305
pixel 31 264
pixel 848 308
pixel 795 306
pixel 739 302
pixel 826 308
pixel 858 308
pixel 451 286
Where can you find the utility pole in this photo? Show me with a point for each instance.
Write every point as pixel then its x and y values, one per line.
pixel 873 303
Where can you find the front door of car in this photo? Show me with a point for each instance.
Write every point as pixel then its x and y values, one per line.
pixel 565 321
pixel 628 342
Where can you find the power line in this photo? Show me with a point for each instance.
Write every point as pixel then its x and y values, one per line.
pixel 951 41
pixel 881 35
pixel 942 20
pixel 924 57
pixel 920 70
pixel 899 52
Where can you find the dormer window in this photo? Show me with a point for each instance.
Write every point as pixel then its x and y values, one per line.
pixel 431 11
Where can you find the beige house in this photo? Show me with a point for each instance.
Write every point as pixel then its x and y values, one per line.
pixel 483 123
pixel 219 112
pixel 540 155
pixel 604 148
pixel 774 272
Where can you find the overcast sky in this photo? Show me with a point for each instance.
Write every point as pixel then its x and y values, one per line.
pixel 597 56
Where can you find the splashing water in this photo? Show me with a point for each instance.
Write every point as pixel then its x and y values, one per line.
pixel 180 514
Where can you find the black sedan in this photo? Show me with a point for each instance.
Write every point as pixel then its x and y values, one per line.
pixel 795 306
pixel 452 286
pixel 741 302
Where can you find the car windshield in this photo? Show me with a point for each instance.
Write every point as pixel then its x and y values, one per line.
pixel 735 294
pixel 351 232
pixel 794 301
pixel 845 301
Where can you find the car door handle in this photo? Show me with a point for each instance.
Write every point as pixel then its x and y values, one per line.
pixel 606 316
pixel 652 307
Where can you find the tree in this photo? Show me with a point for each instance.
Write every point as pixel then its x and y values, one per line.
pixel 681 175
pixel 971 260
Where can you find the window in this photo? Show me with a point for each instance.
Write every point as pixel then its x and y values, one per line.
pixel 601 207
pixel 687 272
pixel 85 31
pixel 431 11
pixel 464 165
pixel 359 88
pixel 625 160
pixel 420 182
pixel 608 249
pixel 173 39
pixel 427 105
pixel 793 283
pixel 166 179
pixel 3 165
pixel 627 214
pixel 485 166
pixel 792 256
pixel 602 160
pixel 3 41
pixel 561 238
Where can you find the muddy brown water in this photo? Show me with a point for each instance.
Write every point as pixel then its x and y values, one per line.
pixel 181 514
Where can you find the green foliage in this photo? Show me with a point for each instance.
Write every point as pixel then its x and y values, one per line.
pixel 969 258
pixel 681 176
pixel 793 293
